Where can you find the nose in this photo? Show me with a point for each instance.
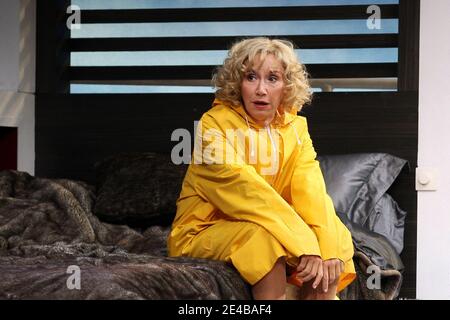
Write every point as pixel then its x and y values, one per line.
pixel 261 88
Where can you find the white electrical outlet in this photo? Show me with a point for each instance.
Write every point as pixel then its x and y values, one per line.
pixel 426 179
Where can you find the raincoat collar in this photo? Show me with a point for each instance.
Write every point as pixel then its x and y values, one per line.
pixel 280 120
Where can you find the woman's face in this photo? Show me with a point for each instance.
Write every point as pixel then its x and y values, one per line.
pixel 262 89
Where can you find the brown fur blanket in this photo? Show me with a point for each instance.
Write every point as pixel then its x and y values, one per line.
pixel 47 226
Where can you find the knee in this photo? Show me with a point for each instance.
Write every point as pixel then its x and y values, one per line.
pixel 259 231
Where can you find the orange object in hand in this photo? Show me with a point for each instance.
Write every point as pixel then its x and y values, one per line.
pixel 292 279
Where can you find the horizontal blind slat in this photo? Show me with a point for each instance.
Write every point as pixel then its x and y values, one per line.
pixel 235 14
pixel 222 43
pixel 354 70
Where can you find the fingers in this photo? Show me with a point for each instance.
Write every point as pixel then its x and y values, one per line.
pixel 325 279
pixel 318 277
pixel 326 272
pixel 333 269
pixel 331 273
pixel 302 264
pixel 312 271
pixel 306 270
pixel 308 267
pixel 338 269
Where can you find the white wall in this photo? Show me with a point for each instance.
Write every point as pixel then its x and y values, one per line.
pixel 17 75
pixel 433 221
pixel 27 46
pixel 9 48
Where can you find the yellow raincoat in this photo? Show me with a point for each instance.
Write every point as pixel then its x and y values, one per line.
pixel 238 208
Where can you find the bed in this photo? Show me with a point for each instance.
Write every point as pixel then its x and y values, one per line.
pixel 68 239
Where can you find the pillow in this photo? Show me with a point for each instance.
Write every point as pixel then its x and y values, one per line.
pixel 357 182
pixel 388 219
pixel 138 189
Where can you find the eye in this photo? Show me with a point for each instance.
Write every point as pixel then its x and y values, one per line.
pixel 273 78
pixel 250 76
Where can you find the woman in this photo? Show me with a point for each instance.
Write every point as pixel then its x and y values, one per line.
pixel 260 204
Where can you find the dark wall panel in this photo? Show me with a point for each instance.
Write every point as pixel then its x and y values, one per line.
pixel 8 148
pixel 75 131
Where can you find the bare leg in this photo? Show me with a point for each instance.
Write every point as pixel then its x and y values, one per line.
pixel 273 285
pixel 317 294
pixel 307 292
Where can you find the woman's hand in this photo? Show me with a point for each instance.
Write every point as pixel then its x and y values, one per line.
pixel 332 269
pixel 310 267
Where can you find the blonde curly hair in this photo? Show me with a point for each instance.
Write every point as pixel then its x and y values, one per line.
pixel 241 57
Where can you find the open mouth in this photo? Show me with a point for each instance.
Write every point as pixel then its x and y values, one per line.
pixel 261 104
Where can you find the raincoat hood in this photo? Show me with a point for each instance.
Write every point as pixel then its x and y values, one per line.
pixel 280 120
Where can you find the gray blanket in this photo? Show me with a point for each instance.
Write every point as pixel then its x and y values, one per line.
pixel 53 247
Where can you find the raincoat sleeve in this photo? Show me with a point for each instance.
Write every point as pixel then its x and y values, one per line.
pixel 239 192
pixel 314 205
